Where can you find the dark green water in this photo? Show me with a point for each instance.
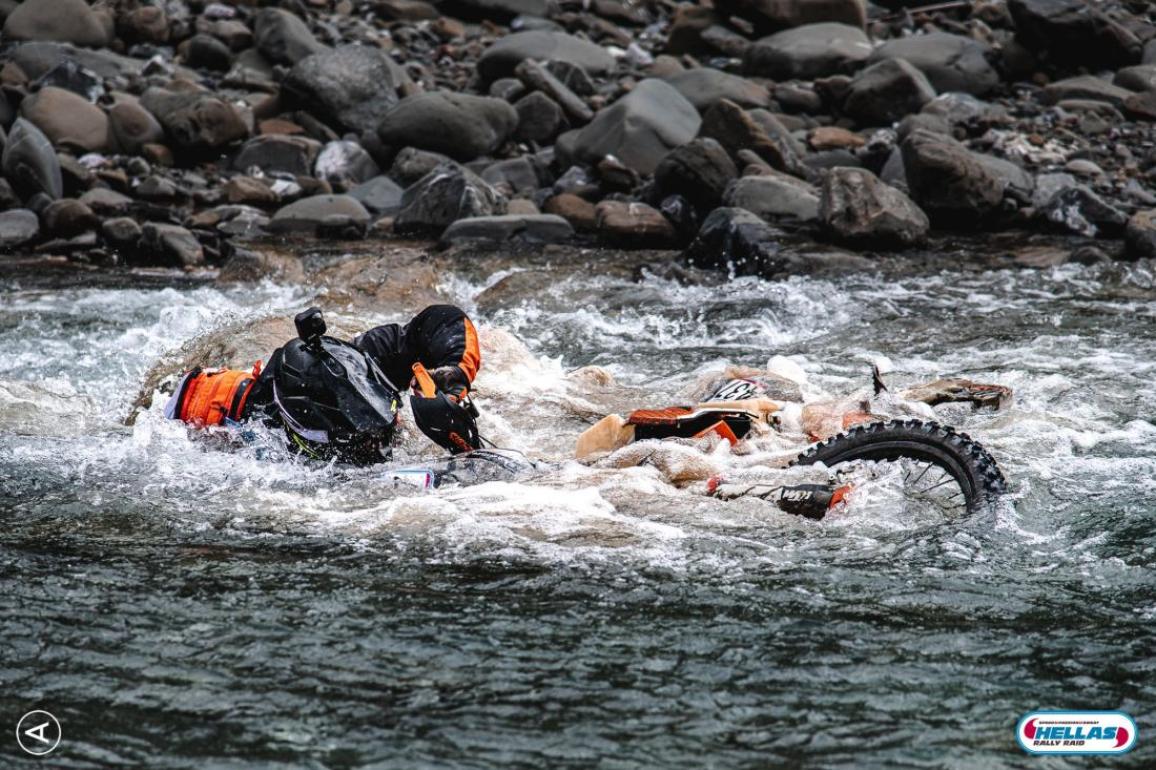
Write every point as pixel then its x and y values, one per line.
pixel 177 606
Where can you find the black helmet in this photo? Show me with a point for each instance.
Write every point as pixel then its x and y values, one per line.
pixel 332 398
pixel 448 423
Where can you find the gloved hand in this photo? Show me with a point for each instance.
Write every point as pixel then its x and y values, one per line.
pixel 452 381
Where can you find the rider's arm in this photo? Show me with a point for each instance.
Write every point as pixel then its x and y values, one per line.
pixel 441 338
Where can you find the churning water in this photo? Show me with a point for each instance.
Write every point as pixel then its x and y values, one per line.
pixel 177 605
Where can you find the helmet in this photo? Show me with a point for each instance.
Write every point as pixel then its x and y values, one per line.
pixel 332 399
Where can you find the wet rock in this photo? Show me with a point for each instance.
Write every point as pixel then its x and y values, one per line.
pixel 960 109
pixel 412 164
pixel 67 21
pixel 501 58
pixel 203 51
pixel 352 87
pixel 774 197
pixel 1083 167
pixel 121 232
pixel 195 119
pixel 1141 106
pixel 1017 183
pixel 735 239
pixel 72 77
pixel 856 207
pixel 947 181
pixel 443 196
pixel 106 202
pixel 1140 234
pixel 537 228
pixel 950 62
pixel 579 212
pixel 515 176
pixel 834 138
pixel 344 162
pixel 278 152
pixel 68 119
pixel 176 244
pixel 308 215
pixel 461 126
pixel 132 126
pixel 1074 32
pixel 640 128
pixel 704 87
pixel 699 171
pixel 68 217
pixel 381 196
pixel 17 227
pixel 772 15
pixel 633 224
pixel 29 162
pixel 540 119
pixel 249 191
pixel 758 131
pixel 1085 87
pixel 283 38
pixel 1047 185
pixel 808 52
pixel 147 24
pixel 1142 77
pixel 887 91
pixel 246 266
pixel 1080 210
pixel 538 78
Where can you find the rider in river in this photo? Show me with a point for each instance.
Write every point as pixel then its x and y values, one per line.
pixel 337 399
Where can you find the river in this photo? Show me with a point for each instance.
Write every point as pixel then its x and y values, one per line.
pixel 175 605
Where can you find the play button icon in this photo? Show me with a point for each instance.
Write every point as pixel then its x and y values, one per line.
pixel 38 733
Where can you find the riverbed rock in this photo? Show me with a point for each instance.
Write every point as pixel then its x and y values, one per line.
pixel 950 62
pixel 1080 210
pixel 344 162
pixel 501 58
pixel 537 77
pixel 411 164
pixel 540 118
pixel 172 242
pixel 121 232
pixel 579 212
pixel 245 190
pixel 282 37
pixel 808 52
pixel 704 87
pixel 68 119
pixel 738 130
pixel 947 181
pixel 1086 87
pixel 461 126
pixel 380 195
pixel 1142 77
pixel 352 87
pixel 29 163
pixel 132 126
pixel 310 214
pixel 887 91
pixel 774 197
pixel 17 227
pixel 1074 32
pixel 503 11
pixel 1140 234
pixel 278 152
pixel 640 128
pixel 633 224
pixel 532 228
pixel 448 193
pixel 856 207
pixel 698 171
pixel 66 21
pixel 735 239
pixel 67 217
pixel 773 15
pixel 195 119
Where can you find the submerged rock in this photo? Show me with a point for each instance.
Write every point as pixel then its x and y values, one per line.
pixel 856 207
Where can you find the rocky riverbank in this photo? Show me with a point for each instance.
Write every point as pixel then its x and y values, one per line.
pixel 171 133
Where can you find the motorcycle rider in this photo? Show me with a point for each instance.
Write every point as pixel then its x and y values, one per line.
pixel 338 399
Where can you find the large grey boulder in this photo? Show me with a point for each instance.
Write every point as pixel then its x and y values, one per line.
pixel 524 228
pixel 887 91
pixel 195 118
pixel 773 15
pixel 950 62
pixel 501 58
pixel 808 52
pixel 29 163
pixel 443 196
pixel 774 197
pixel 856 207
pixel 309 214
pixel 64 21
pixel 640 128
pixel 704 87
pixel 948 181
pixel 461 126
pixel 352 86
pixel 282 37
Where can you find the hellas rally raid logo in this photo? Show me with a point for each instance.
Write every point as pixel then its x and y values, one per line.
pixel 1076 732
